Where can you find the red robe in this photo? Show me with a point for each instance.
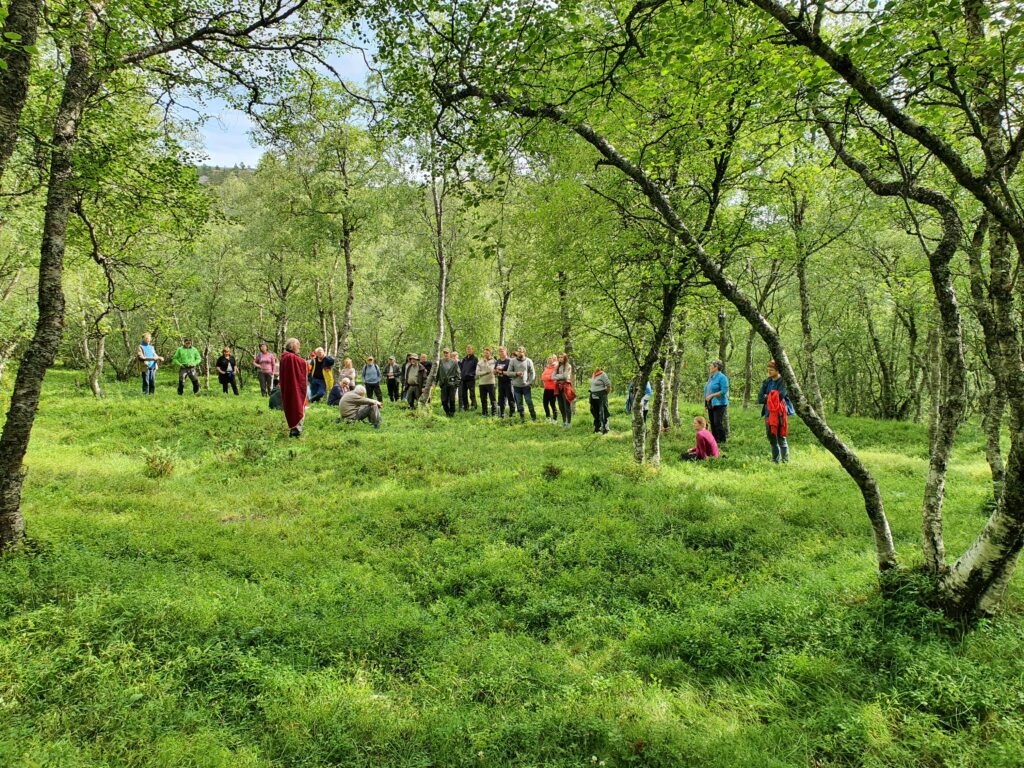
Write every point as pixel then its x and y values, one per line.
pixel 293 388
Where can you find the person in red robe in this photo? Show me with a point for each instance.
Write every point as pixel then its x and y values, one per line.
pixel 293 386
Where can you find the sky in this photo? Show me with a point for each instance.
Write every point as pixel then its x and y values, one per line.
pixel 226 132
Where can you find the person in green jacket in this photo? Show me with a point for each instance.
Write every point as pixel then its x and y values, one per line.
pixel 187 359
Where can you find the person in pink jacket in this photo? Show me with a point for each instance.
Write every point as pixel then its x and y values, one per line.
pixel 707 446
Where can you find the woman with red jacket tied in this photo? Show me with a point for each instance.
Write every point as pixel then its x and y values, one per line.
pixel 776 409
pixel 550 391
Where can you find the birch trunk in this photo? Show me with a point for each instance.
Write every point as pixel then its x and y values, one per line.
pixel 807 337
pixel 79 85
pixel 347 229
pixel 21 24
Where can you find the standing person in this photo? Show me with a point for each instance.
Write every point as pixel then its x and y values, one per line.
pixel 706 447
pixel 415 379
pixel 226 369
pixel 371 379
pixel 600 386
pixel 266 362
pixel 550 390
pixel 318 386
pixel 485 380
pixel 147 356
pixel 776 410
pixel 458 381
pixel 186 357
pixel 523 374
pixel 716 400
pixel 563 382
pixel 504 384
pixel 293 387
pixel 448 377
pixel 356 406
pixel 468 365
pixel 393 377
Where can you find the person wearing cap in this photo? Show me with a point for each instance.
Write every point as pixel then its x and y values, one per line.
pixel 371 379
pixel 449 376
pixel 415 377
pixel 187 359
pixel 393 378
pixel 716 400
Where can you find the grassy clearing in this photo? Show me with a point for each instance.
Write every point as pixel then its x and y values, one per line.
pixel 200 590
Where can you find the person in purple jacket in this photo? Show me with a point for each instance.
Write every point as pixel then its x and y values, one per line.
pixel 707 446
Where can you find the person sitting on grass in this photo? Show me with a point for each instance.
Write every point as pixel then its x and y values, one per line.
pixel 356 406
pixel 707 447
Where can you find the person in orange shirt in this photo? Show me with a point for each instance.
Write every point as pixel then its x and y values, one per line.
pixel 550 390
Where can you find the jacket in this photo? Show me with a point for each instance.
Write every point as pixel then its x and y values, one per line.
pixel 187 357
pixel 526 369
pixel 545 376
pixel 448 372
pixel 776 385
pixel 485 372
pixel 371 374
pixel 467 366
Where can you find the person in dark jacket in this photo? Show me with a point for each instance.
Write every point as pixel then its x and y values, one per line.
pixel 414 375
pixel 226 369
pixel 467 395
pixel 449 376
pixel 393 378
pixel 775 424
pixel 504 384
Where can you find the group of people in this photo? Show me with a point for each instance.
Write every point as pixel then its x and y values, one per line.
pixel 504 384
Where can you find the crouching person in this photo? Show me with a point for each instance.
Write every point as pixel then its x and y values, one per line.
pixel 707 446
pixel 356 406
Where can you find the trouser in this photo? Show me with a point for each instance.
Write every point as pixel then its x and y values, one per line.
pixel 565 407
pixel 373 391
pixel 524 394
pixel 487 393
pixel 370 413
pixel 266 383
pixel 716 415
pixel 149 381
pixel 505 397
pixel 317 390
pixel 393 390
pixel 550 408
pixel 599 410
pixel 467 395
pixel 448 399
pixel 779 444
pixel 226 379
pixel 412 395
pixel 690 457
pixel 188 372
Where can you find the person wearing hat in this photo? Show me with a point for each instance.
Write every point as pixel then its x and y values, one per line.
pixel 414 376
pixel 371 379
pixel 716 400
pixel 187 359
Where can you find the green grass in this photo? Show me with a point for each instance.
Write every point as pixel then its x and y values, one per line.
pixel 200 590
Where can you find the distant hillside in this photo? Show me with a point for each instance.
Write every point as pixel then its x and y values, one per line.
pixel 215 175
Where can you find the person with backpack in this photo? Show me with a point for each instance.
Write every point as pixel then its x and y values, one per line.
pixel 564 388
pixel 776 410
pixel 371 379
pixel 522 374
pixel 716 400
pixel 148 358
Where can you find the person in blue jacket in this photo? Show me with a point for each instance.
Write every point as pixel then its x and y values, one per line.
pixel 716 400
pixel 776 425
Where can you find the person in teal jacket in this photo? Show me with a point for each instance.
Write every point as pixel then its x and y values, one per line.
pixel 187 359
pixel 716 400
